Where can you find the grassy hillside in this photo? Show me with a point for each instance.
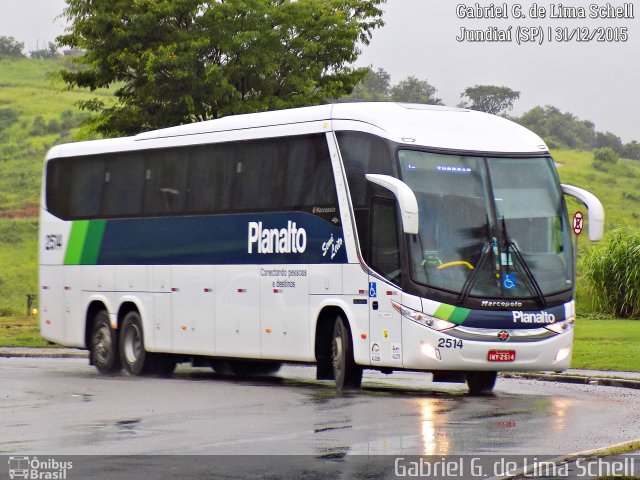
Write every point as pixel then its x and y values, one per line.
pixel 618 188
pixel 36 113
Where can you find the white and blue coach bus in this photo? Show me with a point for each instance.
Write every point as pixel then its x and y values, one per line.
pixel 351 236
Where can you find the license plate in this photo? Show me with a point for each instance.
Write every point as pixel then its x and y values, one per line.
pixel 501 356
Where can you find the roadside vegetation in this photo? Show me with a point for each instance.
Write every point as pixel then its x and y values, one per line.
pixel 606 343
pixel 36 112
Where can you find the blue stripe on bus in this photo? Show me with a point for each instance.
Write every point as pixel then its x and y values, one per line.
pixel 507 320
pixel 218 240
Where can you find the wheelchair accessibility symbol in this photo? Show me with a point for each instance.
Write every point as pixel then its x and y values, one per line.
pixel 509 281
pixel 372 290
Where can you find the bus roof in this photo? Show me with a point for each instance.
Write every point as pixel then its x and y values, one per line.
pixel 429 126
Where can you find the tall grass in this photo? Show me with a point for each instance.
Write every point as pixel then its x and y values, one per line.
pixel 612 274
pixel 18 264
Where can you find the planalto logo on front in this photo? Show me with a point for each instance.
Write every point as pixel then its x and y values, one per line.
pixel 541 317
pixel 276 240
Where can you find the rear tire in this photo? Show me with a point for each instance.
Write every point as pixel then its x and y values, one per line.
pixel 103 345
pixel 481 383
pixel 347 374
pixel 135 359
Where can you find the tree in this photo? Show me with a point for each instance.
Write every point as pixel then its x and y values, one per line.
pixel 489 99
pixel 374 87
pixel 412 90
pixel 50 52
pixel 609 140
pixel 10 47
pixel 559 129
pixel 632 150
pixel 181 61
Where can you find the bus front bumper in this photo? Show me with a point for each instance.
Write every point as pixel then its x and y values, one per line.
pixel 458 349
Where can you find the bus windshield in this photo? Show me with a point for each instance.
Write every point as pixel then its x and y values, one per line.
pixel 489 227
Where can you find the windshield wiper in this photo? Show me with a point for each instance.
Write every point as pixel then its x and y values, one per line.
pixel 473 278
pixel 510 245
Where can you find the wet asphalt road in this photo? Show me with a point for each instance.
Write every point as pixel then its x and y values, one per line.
pixel 63 407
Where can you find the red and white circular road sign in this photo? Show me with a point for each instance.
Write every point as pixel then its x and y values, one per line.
pixel 578 222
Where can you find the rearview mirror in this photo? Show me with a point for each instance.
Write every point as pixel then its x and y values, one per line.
pixel 406 199
pixel 594 207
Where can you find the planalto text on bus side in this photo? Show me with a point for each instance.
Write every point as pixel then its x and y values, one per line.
pixel 277 240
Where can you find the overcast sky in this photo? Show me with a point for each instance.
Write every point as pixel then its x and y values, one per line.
pixel 594 81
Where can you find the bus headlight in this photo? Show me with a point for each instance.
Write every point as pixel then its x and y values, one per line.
pixel 562 354
pixel 423 318
pixel 562 327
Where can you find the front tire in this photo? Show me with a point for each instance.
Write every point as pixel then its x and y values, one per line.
pixel 135 359
pixel 347 374
pixel 481 383
pixel 103 347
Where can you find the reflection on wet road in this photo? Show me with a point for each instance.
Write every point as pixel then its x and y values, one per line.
pixel 64 407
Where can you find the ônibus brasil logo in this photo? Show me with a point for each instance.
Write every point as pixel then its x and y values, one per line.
pixel 276 240
pixel 37 469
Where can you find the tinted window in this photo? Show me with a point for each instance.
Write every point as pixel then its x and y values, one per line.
pixel 123 185
pixel 363 153
pixel 85 195
pixel 259 169
pixel 211 173
pixel 288 173
pixel 165 181
pixel 385 246
pixel 309 177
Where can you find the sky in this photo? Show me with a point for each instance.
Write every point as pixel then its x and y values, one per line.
pixel 596 81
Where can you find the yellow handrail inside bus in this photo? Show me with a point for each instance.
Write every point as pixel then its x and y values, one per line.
pixel 455 264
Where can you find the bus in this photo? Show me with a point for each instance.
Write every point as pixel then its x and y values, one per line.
pixel 379 236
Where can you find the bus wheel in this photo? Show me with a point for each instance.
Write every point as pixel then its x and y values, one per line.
pixel 347 374
pixel 481 382
pixel 103 346
pixel 135 358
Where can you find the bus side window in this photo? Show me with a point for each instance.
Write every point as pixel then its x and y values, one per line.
pixel 210 185
pixel 384 249
pixel 86 187
pixel 309 178
pixel 165 179
pixel 123 185
pixel 257 170
pixel 74 187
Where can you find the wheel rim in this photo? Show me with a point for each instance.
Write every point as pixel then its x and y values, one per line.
pixel 132 344
pixel 102 345
pixel 337 356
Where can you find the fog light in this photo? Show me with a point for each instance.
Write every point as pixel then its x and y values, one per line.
pixel 430 351
pixel 563 353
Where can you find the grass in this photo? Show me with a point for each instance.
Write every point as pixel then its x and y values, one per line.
pixel 18 257
pixel 607 344
pixel 21 332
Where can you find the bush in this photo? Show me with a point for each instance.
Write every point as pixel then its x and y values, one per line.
pixel 8 116
pixel 552 143
pixel 39 127
pixel 612 273
pixel 605 155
